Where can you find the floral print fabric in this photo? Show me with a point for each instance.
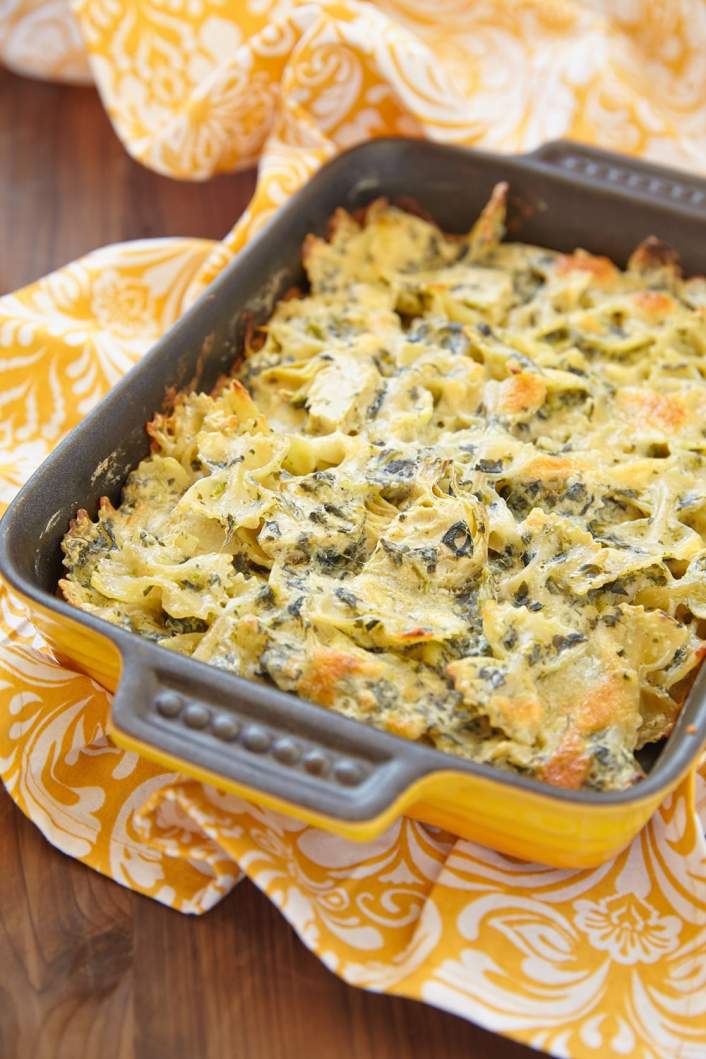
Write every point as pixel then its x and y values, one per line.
pixel 594 963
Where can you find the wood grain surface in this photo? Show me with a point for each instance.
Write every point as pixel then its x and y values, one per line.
pixel 89 970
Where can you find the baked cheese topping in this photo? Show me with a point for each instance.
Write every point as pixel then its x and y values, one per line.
pixel 456 491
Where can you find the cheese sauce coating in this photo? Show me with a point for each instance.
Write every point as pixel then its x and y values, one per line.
pixel 458 491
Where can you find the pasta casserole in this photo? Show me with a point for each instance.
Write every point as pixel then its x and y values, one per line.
pixel 456 490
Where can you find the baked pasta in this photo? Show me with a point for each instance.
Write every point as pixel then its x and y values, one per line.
pixel 456 490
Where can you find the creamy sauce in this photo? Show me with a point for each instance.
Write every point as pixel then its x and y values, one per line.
pixel 458 492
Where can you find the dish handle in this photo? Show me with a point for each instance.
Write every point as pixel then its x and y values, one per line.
pixel 258 741
pixel 637 177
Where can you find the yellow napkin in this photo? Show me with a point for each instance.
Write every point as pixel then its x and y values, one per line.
pixel 602 963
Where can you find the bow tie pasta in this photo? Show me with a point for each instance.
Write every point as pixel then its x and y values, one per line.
pixel 457 490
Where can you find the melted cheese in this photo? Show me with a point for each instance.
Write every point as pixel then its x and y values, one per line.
pixel 458 492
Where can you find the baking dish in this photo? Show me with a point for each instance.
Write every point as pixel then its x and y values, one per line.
pixel 257 741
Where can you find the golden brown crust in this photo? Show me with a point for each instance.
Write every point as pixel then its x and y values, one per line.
pixel 601 269
pixel 490 226
pixel 324 672
pixel 653 254
pixel 569 766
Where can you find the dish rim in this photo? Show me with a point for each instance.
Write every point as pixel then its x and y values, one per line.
pixel 681 748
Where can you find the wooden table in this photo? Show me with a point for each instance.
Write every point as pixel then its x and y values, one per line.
pixel 88 969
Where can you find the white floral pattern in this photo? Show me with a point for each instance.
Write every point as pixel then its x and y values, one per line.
pixel 631 930
pixel 587 964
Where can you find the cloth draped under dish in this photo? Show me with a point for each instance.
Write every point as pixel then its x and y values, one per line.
pixel 601 963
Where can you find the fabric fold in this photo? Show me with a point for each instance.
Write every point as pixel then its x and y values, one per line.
pixel 605 962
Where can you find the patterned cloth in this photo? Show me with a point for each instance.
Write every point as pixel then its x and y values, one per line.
pixel 603 963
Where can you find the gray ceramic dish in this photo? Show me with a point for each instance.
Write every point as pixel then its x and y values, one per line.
pixel 256 739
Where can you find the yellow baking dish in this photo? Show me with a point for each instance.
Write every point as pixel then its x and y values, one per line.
pixel 263 744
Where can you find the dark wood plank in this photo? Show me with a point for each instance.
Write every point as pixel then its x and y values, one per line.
pixel 89 969
pixel 65 951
